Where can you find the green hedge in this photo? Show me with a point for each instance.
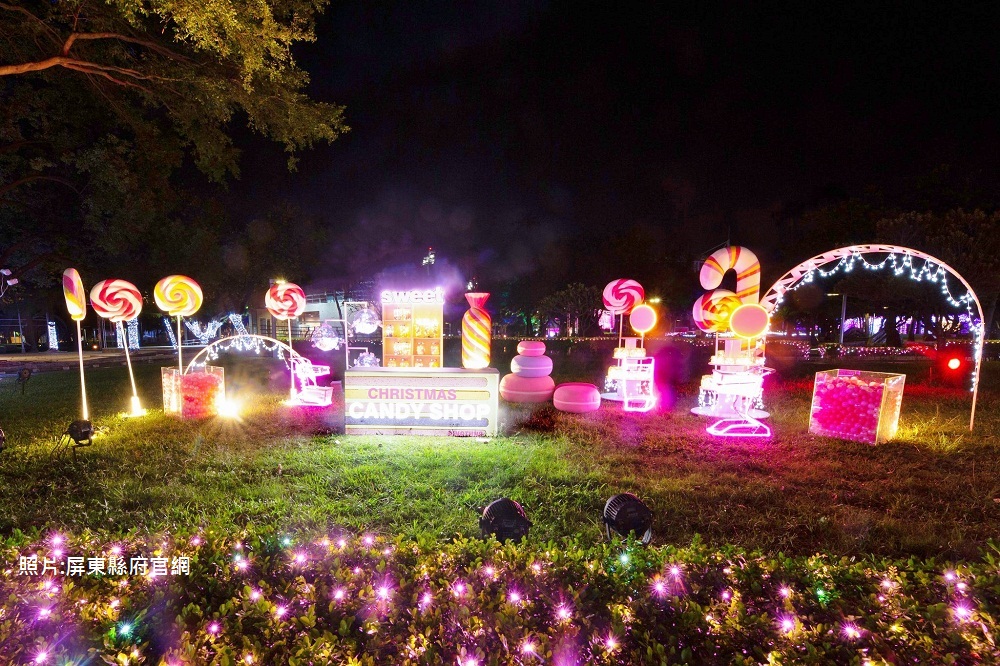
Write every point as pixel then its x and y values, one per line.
pixel 382 601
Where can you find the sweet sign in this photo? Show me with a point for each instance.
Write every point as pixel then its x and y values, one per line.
pixel 426 401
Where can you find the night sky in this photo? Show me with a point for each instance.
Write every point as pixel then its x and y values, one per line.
pixel 494 130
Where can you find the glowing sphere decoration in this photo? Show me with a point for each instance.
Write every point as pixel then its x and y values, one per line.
pixel 178 295
pixel 749 320
pixel 642 319
pixel 117 300
pixel 476 329
pixel 621 296
pixel 76 297
pixel 954 363
pixel 285 300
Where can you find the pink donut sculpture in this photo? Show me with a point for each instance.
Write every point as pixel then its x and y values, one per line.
pixel 531 348
pixel 577 397
pixel 526 389
pixel 531 366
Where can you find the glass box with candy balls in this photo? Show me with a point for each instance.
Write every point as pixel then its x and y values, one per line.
pixel 194 395
pixel 856 405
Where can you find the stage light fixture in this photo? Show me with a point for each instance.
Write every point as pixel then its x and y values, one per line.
pixel 624 514
pixel 81 432
pixel 504 519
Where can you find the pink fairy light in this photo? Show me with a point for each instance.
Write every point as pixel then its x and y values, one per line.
pixel 675 571
pixel 342 543
pixel 242 565
pixel 300 558
pixel 950 576
pixel 213 628
pixel 280 611
pixel 383 592
pixel 787 624
pixel 41 657
pixel 459 588
pixel 254 595
pixel 528 647
pixel 659 587
pixel 514 597
pixel 57 539
pixel 785 591
pixel 44 613
pixel 536 567
pixel 196 541
pixel 369 540
pixel 887 584
pixel 489 571
pixel 338 594
pixel 426 599
pixel 563 613
pixel 850 631
pixel 611 642
pixel 726 596
pixel 962 587
pixel 116 550
pixel 325 542
pixel 58 553
pixel 962 612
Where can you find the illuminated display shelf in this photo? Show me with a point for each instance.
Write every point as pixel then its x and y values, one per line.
pixel 402 347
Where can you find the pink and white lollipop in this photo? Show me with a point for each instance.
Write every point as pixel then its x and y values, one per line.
pixel 620 296
pixel 117 300
pixel 285 300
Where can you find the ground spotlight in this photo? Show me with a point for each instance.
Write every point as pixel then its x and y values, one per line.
pixel 81 432
pixel 505 519
pixel 625 513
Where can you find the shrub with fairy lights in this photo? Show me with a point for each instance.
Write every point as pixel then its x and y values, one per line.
pixel 212 598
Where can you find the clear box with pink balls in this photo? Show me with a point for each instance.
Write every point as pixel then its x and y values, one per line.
pixel 857 405
pixel 196 394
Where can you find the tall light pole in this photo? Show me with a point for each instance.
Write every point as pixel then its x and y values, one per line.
pixel 843 315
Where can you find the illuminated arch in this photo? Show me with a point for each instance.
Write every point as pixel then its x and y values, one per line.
pixel 244 342
pixel 931 268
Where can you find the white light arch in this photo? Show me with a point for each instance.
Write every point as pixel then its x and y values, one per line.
pixel 245 342
pixel 931 269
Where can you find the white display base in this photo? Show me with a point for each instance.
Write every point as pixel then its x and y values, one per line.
pixel 727 412
pixel 613 397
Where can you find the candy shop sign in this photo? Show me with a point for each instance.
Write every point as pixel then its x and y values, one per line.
pixel 428 401
pixel 435 295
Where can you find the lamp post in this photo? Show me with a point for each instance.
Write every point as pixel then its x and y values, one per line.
pixel 843 314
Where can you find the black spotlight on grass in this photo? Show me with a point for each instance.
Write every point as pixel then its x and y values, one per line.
pixel 624 514
pixel 80 433
pixel 505 519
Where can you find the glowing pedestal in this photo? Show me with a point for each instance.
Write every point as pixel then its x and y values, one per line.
pixel 630 381
pixel 735 387
pixel 856 405
pixel 196 394
pixel 307 392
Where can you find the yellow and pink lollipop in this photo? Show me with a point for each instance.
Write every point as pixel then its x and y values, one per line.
pixel 76 304
pixel 286 300
pixel 120 301
pixel 179 296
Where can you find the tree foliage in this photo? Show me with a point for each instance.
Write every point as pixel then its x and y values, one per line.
pixel 111 108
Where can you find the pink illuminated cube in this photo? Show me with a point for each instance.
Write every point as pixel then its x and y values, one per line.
pixel 856 405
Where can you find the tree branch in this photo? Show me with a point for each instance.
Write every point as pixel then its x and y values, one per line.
pixel 21 10
pixel 27 179
pixel 152 46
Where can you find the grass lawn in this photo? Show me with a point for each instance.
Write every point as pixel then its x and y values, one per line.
pixel 933 491
pixel 309 547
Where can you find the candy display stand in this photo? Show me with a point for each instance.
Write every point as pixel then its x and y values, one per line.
pixel 196 394
pixel 856 405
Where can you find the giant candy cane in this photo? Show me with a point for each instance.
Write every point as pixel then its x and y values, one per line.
pixel 712 312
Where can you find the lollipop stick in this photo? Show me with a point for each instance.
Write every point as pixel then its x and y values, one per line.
pixel 83 383
pixel 291 363
pixel 128 361
pixel 180 364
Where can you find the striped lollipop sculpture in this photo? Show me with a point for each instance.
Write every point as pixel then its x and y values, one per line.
pixel 120 301
pixel 76 305
pixel 179 296
pixel 286 301
pixel 476 328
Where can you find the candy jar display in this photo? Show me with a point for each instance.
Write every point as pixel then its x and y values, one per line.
pixel 856 405
pixel 193 395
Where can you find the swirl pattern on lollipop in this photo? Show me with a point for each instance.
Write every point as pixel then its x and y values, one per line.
pixel 711 312
pixel 178 295
pixel 620 296
pixel 117 300
pixel 285 300
pixel 76 297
